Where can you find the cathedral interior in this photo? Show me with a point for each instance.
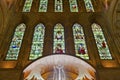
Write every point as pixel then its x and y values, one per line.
pixel 59 39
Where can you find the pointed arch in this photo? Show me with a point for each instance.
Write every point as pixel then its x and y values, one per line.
pixel 43 5
pixel 58 6
pixel 16 42
pixel 89 6
pixel 59 42
pixel 79 41
pixel 37 43
pixel 101 43
pixel 27 5
pixel 73 6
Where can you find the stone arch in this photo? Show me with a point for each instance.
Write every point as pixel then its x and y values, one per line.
pixel 1 17
pixel 74 68
pixel 116 26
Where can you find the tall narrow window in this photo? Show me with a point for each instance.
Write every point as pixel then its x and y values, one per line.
pixel 101 42
pixel 37 43
pixel 58 6
pixel 73 6
pixel 59 43
pixel 79 40
pixel 89 6
pixel 15 45
pixel 27 5
pixel 43 5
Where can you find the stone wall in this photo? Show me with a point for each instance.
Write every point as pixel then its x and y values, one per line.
pixel 12 17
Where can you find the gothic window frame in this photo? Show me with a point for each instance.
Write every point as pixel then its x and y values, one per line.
pixel 101 43
pixel 27 7
pixel 43 7
pixel 58 6
pixel 80 40
pixel 89 6
pixel 73 4
pixel 60 41
pixel 37 42
pixel 14 46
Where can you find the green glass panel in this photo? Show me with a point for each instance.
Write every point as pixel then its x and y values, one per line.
pixel 79 40
pixel 101 43
pixel 27 5
pixel 59 43
pixel 58 6
pixel 89 6
pixel 43 5
pixel 15 45
pixel 73 6
pixel 37 43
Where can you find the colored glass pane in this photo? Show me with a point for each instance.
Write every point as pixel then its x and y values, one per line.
pixel 27 5
pixel 58 6
pixel 37 43
pixel 43 5
pixel 101 43
pixel 15 45
pixel 79 40
pixel 73 6
pixel 59 43
pixel 89 6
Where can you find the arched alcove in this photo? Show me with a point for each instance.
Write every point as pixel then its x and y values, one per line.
pixel 60 66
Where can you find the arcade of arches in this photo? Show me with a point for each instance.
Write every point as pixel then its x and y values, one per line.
pixel 59 39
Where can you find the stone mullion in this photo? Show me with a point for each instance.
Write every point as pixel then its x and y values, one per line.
pixel 66 6
pixel 35 6
pixel 95 5
pixel 48 40
pixel 81 6
pixel 21 5
pixel 26 46
pixel 91 45
pixel 51 6
pixel 69 41
pixel 28 42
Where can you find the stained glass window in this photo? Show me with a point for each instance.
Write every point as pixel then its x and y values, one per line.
pixel 59 43
pixel 43 5
pixel 79 40
pixel 15 45
pixel 58 6
pixel 73 6
pixel 101 42
pixel 37 43
pixel 89 6
pixel 27 5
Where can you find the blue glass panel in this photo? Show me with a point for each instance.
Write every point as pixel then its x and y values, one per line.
pixel 15 45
